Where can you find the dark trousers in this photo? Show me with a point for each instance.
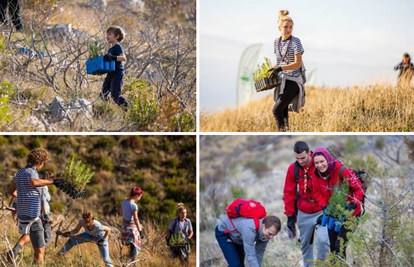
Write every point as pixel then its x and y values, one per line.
pixel 280 109
pixel 14 10
pixel 233 253
pixel 335 241
pixel 113 84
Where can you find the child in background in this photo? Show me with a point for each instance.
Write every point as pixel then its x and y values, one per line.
pixel 114 80
pixel 131 228
pixel 180 226
pixel 94 231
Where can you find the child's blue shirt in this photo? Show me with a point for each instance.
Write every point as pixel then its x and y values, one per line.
pixel 117 50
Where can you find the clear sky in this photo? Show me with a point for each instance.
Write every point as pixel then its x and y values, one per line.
pixel 348 42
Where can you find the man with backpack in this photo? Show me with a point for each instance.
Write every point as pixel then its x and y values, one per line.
pixel 301 205
pixel 245 233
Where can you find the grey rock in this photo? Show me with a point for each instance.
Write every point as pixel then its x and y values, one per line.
pixel 137 3
pixel 98 4
pixel 57 109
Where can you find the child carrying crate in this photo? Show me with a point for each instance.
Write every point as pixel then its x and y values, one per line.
pixel 114 80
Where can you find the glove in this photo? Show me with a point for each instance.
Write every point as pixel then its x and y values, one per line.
pixel 351 206
pixel 110 57
pixel 275 72
pixel 291 223
pixel 101 242
pixel 141 234
pixel 46 218
pixel 319 220
pixel 58 182
pixel 65 234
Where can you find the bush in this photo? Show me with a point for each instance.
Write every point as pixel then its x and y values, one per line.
pixel 56 206
pixel 144 106
pixel 258 167
pixel 106 163
pixel 21 151
pixel 6 90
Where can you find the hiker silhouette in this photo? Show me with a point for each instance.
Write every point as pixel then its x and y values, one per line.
pixel 406 70
pixel 14 11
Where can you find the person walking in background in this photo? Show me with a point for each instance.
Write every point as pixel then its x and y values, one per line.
pixel 114 80
pixel 239 238
pixel 289 51
pixel 13 7
pixel 301 205
pixel 131 227
pixel 327 176
pixel 94 231
pixel 406 71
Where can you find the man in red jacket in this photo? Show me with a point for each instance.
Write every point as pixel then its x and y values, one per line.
pixel 300 204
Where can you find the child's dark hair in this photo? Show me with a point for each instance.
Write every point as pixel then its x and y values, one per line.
pixel 117 31
pixel 37 156
pixel 135 191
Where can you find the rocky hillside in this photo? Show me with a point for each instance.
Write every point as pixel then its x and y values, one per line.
pixel 255 167
pixel 46 63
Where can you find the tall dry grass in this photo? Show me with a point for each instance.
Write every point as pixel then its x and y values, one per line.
pixel 378 108
pixel 154 252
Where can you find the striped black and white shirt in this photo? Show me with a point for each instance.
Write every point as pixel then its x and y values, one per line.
pixel 29 197
pixel 285 51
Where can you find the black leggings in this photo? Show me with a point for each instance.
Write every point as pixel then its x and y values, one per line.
pixel 280 109
pixel 335 241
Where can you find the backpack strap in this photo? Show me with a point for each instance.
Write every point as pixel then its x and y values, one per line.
pixel 297 169
pixel 256 224
pixel 341 172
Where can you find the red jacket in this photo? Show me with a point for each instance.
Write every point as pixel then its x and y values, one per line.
pixel 307 202
pixel 324 188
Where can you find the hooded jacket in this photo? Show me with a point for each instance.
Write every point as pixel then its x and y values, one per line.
pixel 324 183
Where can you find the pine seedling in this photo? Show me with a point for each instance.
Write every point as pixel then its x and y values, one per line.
pixel 77 174
pixel 95 50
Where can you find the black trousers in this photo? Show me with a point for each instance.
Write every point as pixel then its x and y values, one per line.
pixel 335 241
pixel 280 109
pixel 14 10
pixel 113 84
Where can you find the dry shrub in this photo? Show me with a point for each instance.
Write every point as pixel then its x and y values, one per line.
pixel 154 251
pixel 378 108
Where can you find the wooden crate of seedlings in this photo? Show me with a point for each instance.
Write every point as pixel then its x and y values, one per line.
pixel 75 175
pixel 96 65
pixel 262 81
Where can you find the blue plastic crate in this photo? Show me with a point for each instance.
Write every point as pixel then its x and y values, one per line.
pixel 97 66
pixel 27 51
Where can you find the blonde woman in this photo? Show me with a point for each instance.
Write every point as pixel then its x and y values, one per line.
pixel 289 51
pixel 180 226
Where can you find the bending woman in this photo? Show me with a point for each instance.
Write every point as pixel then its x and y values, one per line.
pixel 94 232
pixel 288 50
pixel 327 176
